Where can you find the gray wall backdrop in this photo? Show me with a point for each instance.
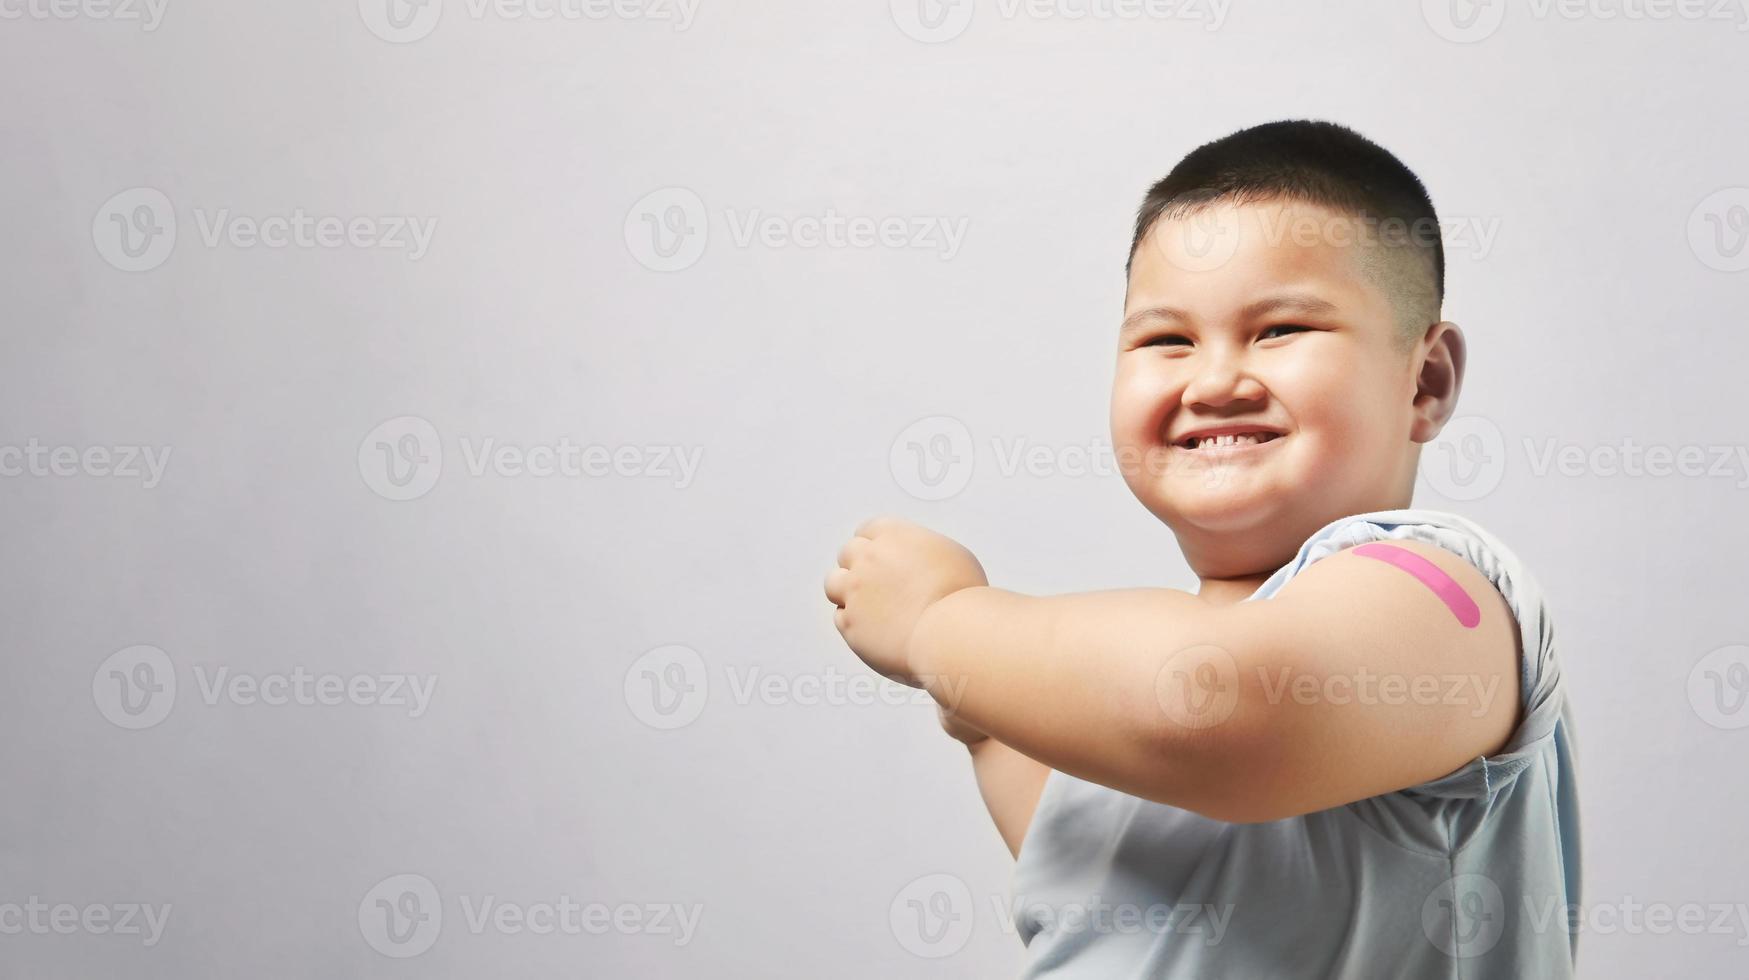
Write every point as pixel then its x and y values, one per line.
pixel 425 430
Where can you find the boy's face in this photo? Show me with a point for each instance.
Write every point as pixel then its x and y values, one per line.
pixel 1277 330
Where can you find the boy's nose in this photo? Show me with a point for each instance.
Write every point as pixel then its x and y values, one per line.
pixel 1221 379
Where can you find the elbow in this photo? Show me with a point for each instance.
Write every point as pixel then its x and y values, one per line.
pixel 1218 733
pixel 1223 763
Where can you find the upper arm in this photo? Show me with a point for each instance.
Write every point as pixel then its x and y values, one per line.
pixel 1357 679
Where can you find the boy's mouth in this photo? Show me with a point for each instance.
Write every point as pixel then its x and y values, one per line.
pixel 1227 437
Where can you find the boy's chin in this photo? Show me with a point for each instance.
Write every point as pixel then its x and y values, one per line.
pixel 1216 510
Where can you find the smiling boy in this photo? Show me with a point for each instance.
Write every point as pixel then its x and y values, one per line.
pixel 1352 744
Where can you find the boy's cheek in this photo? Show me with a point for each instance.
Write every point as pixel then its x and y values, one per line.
pixel 1138 413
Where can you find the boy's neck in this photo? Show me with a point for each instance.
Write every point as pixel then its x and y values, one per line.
pixel 1226 591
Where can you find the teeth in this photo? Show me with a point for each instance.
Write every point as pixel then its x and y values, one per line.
pixel 1237 439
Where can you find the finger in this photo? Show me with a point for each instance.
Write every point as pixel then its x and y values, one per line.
pixel 851 549
pixel 875 525
pixel 838 586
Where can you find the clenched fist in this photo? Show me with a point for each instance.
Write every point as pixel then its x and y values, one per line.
pixel 887 575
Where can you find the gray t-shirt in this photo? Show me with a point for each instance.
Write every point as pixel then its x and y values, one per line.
pixel 1466 876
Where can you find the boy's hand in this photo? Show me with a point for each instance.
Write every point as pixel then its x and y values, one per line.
pixel 887 574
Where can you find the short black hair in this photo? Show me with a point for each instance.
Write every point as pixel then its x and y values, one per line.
pixel 1320 163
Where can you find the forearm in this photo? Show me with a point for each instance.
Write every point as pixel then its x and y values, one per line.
pixel 1074 681
pixel 1010 784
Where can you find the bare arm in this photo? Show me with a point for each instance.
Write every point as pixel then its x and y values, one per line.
pixel 1250 712
pixel 1009 782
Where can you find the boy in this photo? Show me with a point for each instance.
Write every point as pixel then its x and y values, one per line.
pixel 1349 754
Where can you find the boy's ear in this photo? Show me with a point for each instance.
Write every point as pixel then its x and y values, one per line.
pixel 1438 379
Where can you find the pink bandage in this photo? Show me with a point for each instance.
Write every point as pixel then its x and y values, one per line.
pixel 1455 598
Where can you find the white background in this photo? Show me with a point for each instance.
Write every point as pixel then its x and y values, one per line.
pixel 1591 146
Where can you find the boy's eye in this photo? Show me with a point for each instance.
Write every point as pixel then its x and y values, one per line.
pixel 1285 326
pixel 1175 339
pixel 1165 339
